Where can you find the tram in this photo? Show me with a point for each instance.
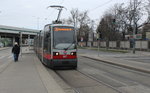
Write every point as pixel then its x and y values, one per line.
pixel 56 46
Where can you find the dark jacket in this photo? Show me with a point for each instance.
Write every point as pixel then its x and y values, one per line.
pixel 16 49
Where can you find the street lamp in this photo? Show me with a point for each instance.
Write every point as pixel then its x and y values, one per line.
pixel 37 21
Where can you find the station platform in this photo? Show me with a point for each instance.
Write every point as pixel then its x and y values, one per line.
pixel 28 75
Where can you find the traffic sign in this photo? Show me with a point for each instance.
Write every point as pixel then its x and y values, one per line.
pixel 138 36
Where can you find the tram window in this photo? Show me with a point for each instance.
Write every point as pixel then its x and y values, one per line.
pixel 49 44
pixel 64 37
pixel 46 38
pixel 45 43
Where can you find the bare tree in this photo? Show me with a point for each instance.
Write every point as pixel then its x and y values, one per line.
pixel 136 11
pixel 123 16
pixel 73 19
pixel 74 16
pixel 148 11
pixel 119 15
pixel 84 20
pixel 81 21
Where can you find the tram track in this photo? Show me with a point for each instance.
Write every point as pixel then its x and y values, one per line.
pixel 71 81
pixel 77 89
pixel 101 82
pixel 74 89
pixel 91 74
pixel 115 76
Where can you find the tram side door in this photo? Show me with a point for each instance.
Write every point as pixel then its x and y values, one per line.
pixel 49 42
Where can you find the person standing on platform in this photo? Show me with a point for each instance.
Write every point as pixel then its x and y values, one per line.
pixel 16 51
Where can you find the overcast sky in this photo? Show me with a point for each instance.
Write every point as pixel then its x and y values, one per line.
pixel 34 14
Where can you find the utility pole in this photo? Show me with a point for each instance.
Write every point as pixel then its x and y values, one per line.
pixel 98 42
pixel 134 28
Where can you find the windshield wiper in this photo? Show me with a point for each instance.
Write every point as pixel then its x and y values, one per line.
pixel 69 46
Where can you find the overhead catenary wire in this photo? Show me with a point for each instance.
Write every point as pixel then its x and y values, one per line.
pixel 101 5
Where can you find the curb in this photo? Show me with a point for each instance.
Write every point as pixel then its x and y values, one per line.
pixel 117 64
pixel 48 81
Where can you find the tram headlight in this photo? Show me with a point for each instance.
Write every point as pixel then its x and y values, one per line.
pixel 56 53
pixel 73 53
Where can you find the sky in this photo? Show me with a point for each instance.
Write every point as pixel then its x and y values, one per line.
pixel 34 14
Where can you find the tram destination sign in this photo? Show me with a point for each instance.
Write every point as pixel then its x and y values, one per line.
pixel 62 29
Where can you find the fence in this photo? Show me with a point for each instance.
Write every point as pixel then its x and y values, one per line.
pixel 139 45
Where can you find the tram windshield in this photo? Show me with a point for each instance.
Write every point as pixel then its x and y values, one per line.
pixel 64 37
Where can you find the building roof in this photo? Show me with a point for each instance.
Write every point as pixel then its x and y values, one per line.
pixel 15 30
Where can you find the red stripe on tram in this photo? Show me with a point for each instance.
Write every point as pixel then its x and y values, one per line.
pixel 48 56
pixel 65 57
